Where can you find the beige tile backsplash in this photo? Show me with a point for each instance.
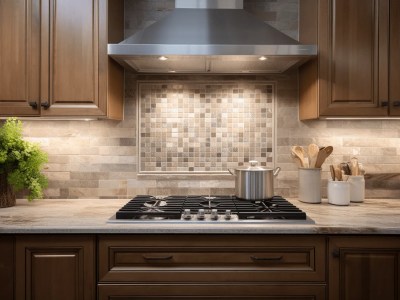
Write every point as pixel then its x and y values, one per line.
pixel 103 158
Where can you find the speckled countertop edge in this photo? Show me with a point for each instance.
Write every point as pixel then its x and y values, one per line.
pixel 90 216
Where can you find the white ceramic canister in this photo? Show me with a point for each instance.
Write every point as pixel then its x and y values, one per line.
pixel 357 188
pixel 339 192
pixel 310 185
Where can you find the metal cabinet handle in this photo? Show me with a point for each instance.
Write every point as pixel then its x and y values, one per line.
pixel 276 258
pixel 396 103
pixel 45 105
pixel 153 258
pixel 33 104
pixel 384 103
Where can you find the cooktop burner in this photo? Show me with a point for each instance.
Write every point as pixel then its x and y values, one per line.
pixel 208 209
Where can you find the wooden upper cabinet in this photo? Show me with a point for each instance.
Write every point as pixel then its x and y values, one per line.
pixel 394 67
pixel 350 78
pixel 19 56
pixel 60 58
pixel 70 65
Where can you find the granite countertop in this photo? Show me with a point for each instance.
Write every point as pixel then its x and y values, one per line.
pixel 373 216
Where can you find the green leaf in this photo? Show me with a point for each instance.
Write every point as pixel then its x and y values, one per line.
pixel 22 160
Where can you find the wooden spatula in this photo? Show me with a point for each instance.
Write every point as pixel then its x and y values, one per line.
pixel 322 155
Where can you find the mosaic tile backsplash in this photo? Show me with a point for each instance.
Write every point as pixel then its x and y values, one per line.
pixel 191 127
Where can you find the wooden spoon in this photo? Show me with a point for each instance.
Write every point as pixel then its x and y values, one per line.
pixel 354 166
pixel 296 159
pixel 332 169
pixel 322 155
pixel 301 154
pixel 313 151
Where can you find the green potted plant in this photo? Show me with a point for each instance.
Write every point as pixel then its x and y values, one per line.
pixel 21 163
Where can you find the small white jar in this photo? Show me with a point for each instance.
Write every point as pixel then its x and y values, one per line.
pixel 357 188
pixel 339 192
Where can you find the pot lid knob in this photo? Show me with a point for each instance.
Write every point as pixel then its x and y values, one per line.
pixel 253 163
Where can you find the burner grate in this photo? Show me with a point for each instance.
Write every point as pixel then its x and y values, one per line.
pixel 149 207
pixel 172 207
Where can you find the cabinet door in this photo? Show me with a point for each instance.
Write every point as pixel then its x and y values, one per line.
pixel 19 57
pixel 394 86
pixel 212 292
pixel 55 267
pixel 353 57
pixel 365 268
pixel 70 63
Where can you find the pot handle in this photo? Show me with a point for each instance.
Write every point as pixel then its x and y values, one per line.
pixel 276 171
pixel 230 171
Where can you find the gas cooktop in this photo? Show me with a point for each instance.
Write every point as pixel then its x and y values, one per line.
pixel 208 209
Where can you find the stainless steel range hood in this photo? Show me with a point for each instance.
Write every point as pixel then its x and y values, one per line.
pixel 210 36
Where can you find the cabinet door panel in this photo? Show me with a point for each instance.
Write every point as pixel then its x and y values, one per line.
pixel 73 51
pixel 369 275
pixel 54 274
pixel 356 66
pixel 19 56
pixel 353 51
pixel 55 267
pixel 72 62
pixel 364 268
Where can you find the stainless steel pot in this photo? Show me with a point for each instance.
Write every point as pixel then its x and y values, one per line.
pixel 254 182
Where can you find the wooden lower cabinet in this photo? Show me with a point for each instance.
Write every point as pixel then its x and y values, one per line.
pixel 146 267
pixel 55 267
pixel 364 268
pixel 211 291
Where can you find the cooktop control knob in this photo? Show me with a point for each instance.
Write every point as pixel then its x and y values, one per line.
pixel 228 215
pixel 186 214
pixel 214 214
pixel 200 214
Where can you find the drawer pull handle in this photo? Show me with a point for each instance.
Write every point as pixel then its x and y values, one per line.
pixel 33 104
pixel 276 258
pixel 153 258
pixel 45 105
pixel 396 103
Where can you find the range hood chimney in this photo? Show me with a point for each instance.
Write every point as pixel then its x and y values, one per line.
pixel 210 36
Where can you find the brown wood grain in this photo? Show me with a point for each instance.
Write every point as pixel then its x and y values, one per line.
pixel 19 59
pixel 55 267
pixel 394 83
pixel 199 258
pixel 351 78
pixel 55 52
pixel 364 268
pixel 7 267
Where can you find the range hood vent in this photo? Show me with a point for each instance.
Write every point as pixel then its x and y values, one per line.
pixel 210 36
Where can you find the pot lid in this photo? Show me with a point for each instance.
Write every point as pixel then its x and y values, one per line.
pixel 253 166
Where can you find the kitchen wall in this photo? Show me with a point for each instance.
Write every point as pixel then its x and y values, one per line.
pixel 106 159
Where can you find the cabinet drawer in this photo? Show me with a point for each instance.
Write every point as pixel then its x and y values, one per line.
pixel 213 258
